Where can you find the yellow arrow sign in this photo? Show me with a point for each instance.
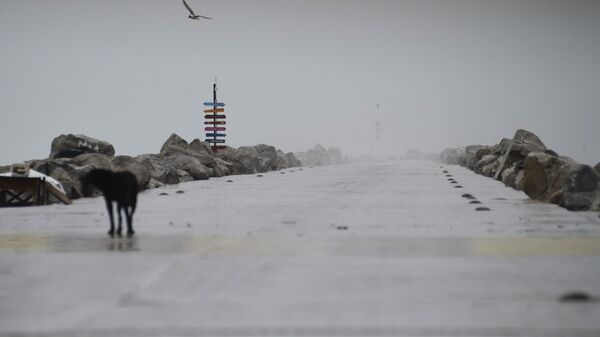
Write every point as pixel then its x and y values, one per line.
pixel 214 110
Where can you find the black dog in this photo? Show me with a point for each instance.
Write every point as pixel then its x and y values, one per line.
pixel 120 187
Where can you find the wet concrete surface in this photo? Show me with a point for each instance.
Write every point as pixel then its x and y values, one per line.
pixel 387 249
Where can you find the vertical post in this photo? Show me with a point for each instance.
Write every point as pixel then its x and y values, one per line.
pixel 214 114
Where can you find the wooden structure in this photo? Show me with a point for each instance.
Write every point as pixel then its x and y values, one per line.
pixel 26 191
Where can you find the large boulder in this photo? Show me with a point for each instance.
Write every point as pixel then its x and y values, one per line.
pixel 222 168
pixel 474 153
pixel 559 180
pixel 248 156
pixel 189 164
pixel 200 146
pixel 66 171
pixel 484 162
pixel 94 160
pixel 131 164
pixel 292 160
pixel 161 171
pixel 234 164
pixel 597 168
pixel 522 144
pixel 580 201
pixel 501 148
pixel 69 146
pixel 174 144
pixel 177 145
pixel 270 158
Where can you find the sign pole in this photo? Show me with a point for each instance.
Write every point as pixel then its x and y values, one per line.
pixel 215 121
pixel 214 113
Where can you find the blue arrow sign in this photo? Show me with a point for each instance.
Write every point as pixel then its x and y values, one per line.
pixel 214 104
pixel 215 135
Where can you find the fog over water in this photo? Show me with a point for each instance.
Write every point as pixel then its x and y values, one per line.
pixel 294 73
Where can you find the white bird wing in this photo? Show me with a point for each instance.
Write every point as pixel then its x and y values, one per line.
pixel 188 8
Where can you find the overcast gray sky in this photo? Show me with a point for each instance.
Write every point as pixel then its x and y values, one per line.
pixel 293 73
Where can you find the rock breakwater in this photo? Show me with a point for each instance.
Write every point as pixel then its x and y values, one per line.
pixel 526 164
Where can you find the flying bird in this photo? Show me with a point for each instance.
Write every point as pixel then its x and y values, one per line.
pixel 193 15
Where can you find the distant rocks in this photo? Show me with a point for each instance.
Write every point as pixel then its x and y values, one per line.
pixel 455 156
pixel 525 163
pixel 319 156
pixel 72 156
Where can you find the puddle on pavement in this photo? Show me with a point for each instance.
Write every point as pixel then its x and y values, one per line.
pixel 267 245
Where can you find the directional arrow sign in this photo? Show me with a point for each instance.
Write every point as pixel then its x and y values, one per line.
pixel 215 141
pixel 214 110
pixel 214 104
pixel 214 116
pixel 215 122
pixel 215 135
pixel 214 129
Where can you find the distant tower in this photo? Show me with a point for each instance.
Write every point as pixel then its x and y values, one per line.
pixel 377 149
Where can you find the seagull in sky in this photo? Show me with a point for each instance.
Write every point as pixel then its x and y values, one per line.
pixel 192 15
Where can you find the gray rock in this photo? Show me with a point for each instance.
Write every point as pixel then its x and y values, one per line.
pixel 200 146
pixel 485 161
pixel 474 153
pixel 519 180
pixel 579 201
pixel 501 148
pixel 559 180
pixel 235 165
pixel 177 145
pixel 68 173
pixel 490 169
pixel 270 158
pixel 189 164
pixel 509 175
pixel 222 168
pixel 294 162
pixel 153 183
pixel 95 160
pixel 160 170
pixel 184 176
pixel 456 156
pixel 131 164
pixel 597 168
pixel 69 146
pixel 522 144
pixel 581 178
pixel 173 145
pixel 317 156
pixel 48 166
pixel 248 157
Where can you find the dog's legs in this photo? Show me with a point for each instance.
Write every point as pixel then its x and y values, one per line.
pixel 119 209
pixel 109 207
pixel 129 214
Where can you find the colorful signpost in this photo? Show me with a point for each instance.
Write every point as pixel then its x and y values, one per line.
pixel 213 115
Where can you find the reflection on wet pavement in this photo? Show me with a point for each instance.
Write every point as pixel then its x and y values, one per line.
pixel 266 245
